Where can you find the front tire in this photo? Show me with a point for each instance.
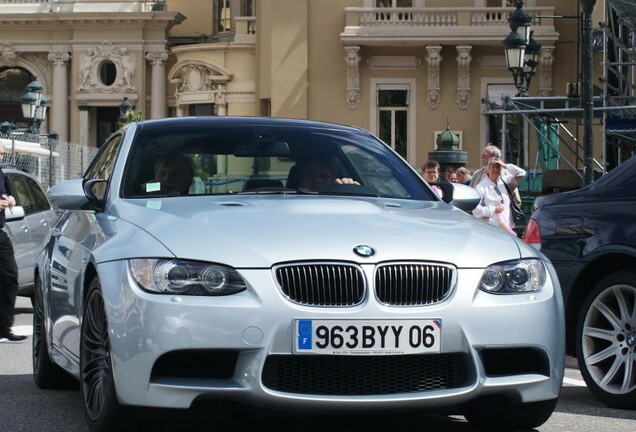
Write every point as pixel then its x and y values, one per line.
pixel 102 410
pixel 46 374
pixel 606 340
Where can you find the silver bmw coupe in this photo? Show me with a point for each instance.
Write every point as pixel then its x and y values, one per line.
pixel 290 264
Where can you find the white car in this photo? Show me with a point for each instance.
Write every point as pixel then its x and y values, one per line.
pixel 201 258
pixel 28 224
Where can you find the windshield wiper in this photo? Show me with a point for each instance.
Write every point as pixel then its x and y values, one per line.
pixel 349 189
pixel 267 191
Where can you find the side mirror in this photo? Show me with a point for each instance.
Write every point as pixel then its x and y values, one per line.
pixel 459 195
pixel 464 197
pixel 14 213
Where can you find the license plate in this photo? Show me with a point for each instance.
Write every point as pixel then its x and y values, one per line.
pixel 367 337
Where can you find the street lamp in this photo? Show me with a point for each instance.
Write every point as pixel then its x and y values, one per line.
pixel 124 109
pixel 34 105
pixel 7 127
pixel 522 51
pixel 522 56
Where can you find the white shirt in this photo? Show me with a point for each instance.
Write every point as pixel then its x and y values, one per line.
pixel 512 175
pixel 493 195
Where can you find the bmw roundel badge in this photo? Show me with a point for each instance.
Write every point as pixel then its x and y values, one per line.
pixel 364 251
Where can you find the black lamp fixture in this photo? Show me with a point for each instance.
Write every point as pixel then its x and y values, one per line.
pixel 7 127
pixel 124 109
pixel 522 51
pixel 34 105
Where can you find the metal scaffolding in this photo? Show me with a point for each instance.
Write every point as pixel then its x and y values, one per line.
pixel 612 105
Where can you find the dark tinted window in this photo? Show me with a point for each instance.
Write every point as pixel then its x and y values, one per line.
pixel 23 196
pixel 38 195
pixel 621 178
pixel 227 159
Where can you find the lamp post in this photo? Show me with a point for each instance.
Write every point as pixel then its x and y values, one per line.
pixel 125 107
pixel 588 90
pixel 7 127
pixel 34 105
pixel 522 55
pixel 53 138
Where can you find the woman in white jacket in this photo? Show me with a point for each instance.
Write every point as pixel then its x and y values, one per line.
pixel 494 206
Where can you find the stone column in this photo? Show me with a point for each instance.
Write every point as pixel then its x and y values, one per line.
pixel 158 83
pixel 59 108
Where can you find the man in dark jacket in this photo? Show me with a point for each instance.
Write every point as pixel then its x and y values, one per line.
pixel 8 267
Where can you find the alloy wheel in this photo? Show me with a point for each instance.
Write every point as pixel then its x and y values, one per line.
pixel 608 339
pixel 38 326
pixel 95 367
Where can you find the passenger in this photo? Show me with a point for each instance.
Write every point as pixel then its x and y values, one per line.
pixel 174 173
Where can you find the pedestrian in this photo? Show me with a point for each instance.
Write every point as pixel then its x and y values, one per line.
pixel 430 172
pixel 512 175
pixel 494 205
pixel 8 267
pixel 463 175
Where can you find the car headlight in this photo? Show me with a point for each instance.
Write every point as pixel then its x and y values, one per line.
pixel 173 276
pixel 527 275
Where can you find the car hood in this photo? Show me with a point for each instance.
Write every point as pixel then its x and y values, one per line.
pixel 259 231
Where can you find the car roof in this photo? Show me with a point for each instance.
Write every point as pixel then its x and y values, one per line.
pixel 247 121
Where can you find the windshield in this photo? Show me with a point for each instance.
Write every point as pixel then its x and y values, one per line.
pixel 244 159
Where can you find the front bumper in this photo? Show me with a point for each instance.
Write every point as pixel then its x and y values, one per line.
pixel 170 350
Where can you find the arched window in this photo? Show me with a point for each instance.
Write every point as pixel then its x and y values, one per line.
pixel 13 82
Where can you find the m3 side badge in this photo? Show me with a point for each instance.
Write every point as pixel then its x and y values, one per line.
pixel 364 251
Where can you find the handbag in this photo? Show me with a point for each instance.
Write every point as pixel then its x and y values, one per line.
pixel 517 213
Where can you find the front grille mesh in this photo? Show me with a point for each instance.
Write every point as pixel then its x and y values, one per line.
pixel 322 284
pixel 364 375
pixel 413 284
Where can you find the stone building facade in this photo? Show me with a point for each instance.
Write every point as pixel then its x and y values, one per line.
pixel 399 68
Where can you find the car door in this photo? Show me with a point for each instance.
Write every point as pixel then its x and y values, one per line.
pixel 75 234
pixel 42 220
pixel 19 231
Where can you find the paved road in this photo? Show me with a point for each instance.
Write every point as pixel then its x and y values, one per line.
pixel 25 408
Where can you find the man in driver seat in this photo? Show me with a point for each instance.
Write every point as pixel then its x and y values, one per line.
pixel 315 175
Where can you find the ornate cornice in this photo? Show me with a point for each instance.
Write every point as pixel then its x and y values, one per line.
pixel 157 58
pixel 59 58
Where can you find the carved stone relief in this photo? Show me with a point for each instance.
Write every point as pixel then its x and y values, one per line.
pixel 545 71
pixel 93 61
pixel 157 57
pixel 353 76
pixel 59 58
pixel 42 67
pixel 463 76
pixel 434 59
pixel 8 55
pixel 194 78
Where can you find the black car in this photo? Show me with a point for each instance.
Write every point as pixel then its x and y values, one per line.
pixel 590 236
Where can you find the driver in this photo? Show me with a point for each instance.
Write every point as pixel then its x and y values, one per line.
pixel 173 175
pixel 315 175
